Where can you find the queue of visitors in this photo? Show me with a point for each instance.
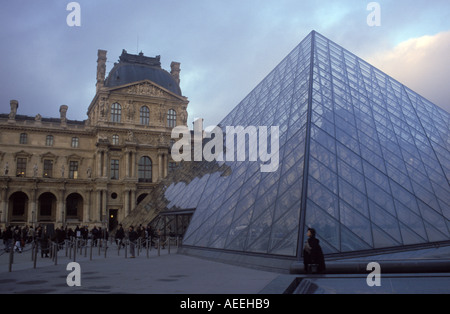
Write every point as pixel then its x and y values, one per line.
pixel 18 237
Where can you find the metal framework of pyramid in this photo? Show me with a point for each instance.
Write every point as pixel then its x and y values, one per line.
pixel 363 159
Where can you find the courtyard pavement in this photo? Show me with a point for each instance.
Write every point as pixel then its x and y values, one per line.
pixel 180 274
pixel 164 274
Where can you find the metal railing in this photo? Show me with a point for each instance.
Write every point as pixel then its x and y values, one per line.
pixel 76 248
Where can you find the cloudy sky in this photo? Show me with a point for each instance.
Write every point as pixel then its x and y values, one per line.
pixel 226 47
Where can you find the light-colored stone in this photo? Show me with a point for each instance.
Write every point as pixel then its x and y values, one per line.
pixel 91 144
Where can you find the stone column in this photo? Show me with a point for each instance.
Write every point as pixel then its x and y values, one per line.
pixel 4 204
pixel 105 164
pixel 127 164
pixel 99 206
pixel 99 163
pixel 133 164
pixel 60 208
pixel 166 164
pixel 32 208
pixel 87 206
pixel 126 197
pixel 160 166
pixel 103 212
pixel 133 199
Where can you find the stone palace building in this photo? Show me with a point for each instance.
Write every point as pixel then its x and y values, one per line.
pixel 92 172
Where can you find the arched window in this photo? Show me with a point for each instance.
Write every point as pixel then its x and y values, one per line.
pixel 46 206
pixel 145 115
pixel 116 112
pixel 74 206
pixel 145 169
pixel 171 118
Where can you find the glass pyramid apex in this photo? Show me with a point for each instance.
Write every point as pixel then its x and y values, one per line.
pixel 363 159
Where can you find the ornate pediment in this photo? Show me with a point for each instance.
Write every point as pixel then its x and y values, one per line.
pixel 146 88
pixel 48 155
pixel 75 157
pixel 22 154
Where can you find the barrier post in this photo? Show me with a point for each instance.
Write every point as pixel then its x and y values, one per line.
pixel 139 246
pixel 35 254
pixel 50 248
pixel 32 250
pixel 75 250
pixel 11 258
pixel 56 253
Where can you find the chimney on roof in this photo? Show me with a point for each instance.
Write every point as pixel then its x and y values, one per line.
pixel 101 68
pixel 63 114
pixel 175 71
pixel 14 105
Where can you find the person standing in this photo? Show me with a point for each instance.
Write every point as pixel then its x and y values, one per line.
pixel 44 239
pixel 7 238
pixel 313 258
pixel 95 235
pixel 132 237
pixel 120 234
pixel 17 240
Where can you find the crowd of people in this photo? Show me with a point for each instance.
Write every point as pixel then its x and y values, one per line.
pixel 18 237
pixel 134 234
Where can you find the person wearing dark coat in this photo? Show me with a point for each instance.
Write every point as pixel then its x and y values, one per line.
pixel 312 254
pixel 132 237
pixel 7 238
pixel 44 243
pixel 95 235
pixel 17 236
pixel 120 234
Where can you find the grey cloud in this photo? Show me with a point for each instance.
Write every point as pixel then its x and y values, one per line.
pixel 225 47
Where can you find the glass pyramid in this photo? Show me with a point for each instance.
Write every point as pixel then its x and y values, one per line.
pixel 363 159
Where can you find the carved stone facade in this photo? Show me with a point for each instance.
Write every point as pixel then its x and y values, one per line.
pixel 91 172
